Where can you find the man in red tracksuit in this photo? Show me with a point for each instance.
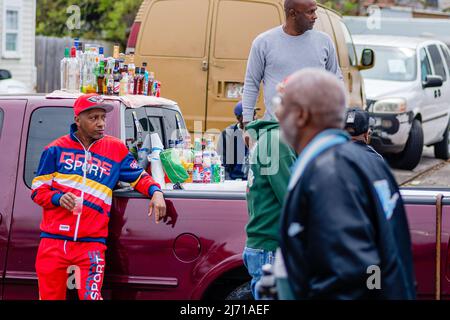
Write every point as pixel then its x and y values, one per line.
pixel 74 184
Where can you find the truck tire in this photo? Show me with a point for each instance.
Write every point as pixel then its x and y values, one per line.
pixel 243 292
pixel 410 157
pixel 441 149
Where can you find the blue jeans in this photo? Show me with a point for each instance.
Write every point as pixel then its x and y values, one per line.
pixel 254 259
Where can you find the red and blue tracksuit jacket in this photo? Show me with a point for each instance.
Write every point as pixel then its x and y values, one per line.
pixel 107 161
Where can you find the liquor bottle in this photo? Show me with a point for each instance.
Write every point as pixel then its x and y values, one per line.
pixel 101 78
pixel 74 72
pixel 124 82
pixel 136 80
pixel 110 83
pixel 117 76
pixel 141 81
pixel 116 52
pixel 131 65
pixel 130 81
pixel 64 70
pixel 146 93
pixel 101 54
pixel 157 86
pixel 151 80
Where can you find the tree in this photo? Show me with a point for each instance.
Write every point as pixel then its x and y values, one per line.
pixel 345 7
pixel 99 19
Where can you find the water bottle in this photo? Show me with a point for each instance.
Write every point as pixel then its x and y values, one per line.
pixel 266 286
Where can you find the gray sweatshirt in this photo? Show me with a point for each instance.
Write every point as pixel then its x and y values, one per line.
pixel 275 55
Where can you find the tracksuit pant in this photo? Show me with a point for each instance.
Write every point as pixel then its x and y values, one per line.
pixel 62 264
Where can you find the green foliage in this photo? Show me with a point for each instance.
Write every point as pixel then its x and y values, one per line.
pixel 344 7
pixel 100 19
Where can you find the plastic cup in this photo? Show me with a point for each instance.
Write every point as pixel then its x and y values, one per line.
pixel 78 206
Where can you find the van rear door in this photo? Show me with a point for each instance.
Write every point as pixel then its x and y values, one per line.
pixel 11 121
pixel 174 41
pixel 236 25
pixel 347 60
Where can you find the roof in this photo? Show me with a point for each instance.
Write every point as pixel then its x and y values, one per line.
pixel 131 101
pixel 391 41
pixel 417 27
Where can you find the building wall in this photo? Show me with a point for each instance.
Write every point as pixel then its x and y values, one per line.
pixel 444 4
pixel 22 66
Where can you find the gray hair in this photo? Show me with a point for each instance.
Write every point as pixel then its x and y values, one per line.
pixel 320 93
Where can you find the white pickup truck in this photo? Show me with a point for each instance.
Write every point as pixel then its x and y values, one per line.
pixel 408 95
pixel 9 85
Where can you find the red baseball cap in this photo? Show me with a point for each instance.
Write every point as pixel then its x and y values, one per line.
pixel 91 101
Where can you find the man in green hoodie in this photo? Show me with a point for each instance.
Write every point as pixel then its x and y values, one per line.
pixel 268 178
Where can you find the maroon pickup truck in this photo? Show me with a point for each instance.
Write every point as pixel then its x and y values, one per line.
pixel 196 254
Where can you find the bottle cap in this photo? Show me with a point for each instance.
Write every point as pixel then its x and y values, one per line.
pixel 144 64
pixel 73 52
pixel 67 52
pixel 100 50
pixel 137 70
pixel 142 70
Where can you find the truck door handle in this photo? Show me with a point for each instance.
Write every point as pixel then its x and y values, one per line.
pixel 205 65
pixel 435 94
pixel 220 89
pixel 1 218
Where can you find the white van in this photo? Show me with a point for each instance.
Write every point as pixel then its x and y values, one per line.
pixel 408 95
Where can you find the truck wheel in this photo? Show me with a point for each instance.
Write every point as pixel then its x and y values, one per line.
pixel 243 292
pixel 441 149
pixel 410 157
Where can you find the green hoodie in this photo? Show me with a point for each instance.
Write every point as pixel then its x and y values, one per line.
pixel 268 178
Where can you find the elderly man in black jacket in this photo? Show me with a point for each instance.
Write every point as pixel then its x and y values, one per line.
pixel 344 231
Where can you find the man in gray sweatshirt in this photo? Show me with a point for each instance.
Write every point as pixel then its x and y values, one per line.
pixel 281 51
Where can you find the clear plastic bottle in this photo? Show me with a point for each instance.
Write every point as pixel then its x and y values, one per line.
pixel 65 70
pixel 207 166
pixel 74 72
pixel 197 172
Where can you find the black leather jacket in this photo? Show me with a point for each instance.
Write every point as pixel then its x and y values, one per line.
pixel 343 216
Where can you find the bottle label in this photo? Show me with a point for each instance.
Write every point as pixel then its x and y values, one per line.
pixel 116 86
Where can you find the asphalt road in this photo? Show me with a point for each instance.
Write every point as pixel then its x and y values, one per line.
pixel 430 172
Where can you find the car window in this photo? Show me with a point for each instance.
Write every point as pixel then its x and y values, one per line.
pixel 349 42
pixel 392 63
pixel 446 56
pixel 438 63
pixel 425 65
pixel 39 135
pixel 167 123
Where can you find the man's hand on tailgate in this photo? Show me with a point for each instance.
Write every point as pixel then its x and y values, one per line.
pixel 158 206
pixel 67 201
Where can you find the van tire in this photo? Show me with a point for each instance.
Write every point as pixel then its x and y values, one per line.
pixel 243 292
pixel 441 149
pixel 410 157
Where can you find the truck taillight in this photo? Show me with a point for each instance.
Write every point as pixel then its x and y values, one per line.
pixel 132 39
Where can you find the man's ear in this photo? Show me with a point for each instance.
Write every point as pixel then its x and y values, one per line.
pixel 76 119
pixel 303 118
pixel 367 137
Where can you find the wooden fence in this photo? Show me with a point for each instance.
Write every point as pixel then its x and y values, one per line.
pixel 49 52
